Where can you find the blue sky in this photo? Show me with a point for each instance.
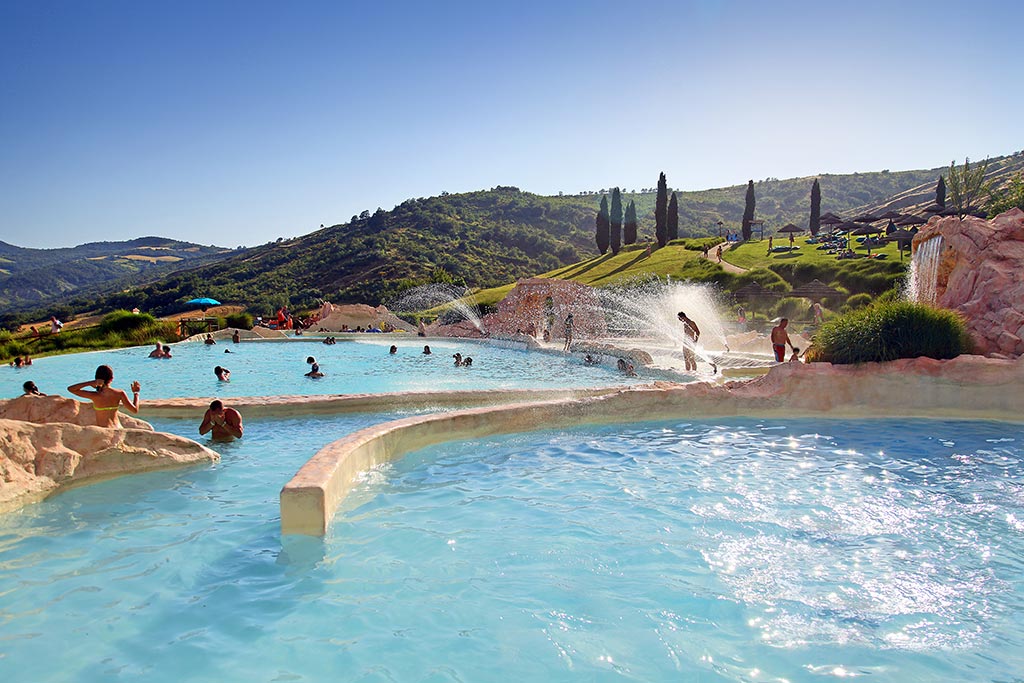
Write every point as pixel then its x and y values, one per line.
pixel 239 122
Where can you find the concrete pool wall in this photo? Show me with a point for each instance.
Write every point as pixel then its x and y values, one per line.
pixel 968 387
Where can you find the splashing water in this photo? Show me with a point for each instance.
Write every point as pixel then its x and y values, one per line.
pixel 924 271
pixel 438 294
pixel 650 311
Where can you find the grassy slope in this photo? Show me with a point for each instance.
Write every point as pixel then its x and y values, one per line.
pixel 754 254
pixel 633 262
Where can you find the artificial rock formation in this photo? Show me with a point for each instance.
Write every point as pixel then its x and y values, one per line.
pixel 49 409
pixel 48 443
pixel 979 276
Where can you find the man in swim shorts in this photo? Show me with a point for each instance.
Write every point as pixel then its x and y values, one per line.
pixel 780 338
pixel 226 423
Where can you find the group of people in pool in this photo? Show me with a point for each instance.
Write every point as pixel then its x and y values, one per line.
pixel 459 360
pixel 224 423
pixel 161 351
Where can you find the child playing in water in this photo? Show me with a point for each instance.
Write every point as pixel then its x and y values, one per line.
pixel 314 370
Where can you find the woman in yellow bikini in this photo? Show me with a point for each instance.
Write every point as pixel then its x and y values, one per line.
pixel 106 399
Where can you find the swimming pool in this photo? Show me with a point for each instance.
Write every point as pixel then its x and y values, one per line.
pixel 718 550
pixel 270 368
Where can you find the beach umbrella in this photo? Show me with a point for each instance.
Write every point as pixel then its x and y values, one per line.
pixel 754 291
pixel 902 239
pixel 890 215
pixel 815 290
pixel 934 208
pixel 891 228
pixel 790 229
pixel 866 230
pixel 203 302
pixel 911 220
pixel 830 220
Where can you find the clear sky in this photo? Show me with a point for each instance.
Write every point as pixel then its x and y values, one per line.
pixel 240 122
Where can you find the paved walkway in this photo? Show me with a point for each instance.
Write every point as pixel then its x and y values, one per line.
pixel 726 266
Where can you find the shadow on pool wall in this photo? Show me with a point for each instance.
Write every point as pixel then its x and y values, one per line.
pixel 968 387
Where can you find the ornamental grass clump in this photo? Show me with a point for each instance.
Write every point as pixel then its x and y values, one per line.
pixel 889 330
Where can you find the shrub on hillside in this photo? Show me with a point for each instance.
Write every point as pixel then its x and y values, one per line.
pixel 793 307
pixel 125 321
pixel 242 321
pixel 697 243
pixel 768 279
pixel 857 301
pixel 887 331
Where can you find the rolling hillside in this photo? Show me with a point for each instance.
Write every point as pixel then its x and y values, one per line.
pixel 483 239
pixel 34 277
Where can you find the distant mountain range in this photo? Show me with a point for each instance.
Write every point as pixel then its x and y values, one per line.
pixel 483 239
pixel 34 277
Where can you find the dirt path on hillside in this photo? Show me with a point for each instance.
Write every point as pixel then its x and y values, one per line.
pixel 726 266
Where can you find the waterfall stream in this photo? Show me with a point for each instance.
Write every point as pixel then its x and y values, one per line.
pixel 924 271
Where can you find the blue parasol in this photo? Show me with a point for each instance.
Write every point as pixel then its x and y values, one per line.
pixel 203 303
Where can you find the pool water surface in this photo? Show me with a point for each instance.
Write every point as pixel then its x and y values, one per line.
pixel 727 550
pixel 274 368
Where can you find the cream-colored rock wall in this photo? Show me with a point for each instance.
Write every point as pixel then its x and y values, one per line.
pixel 50 409
pixel 37 460
pixel 980 276
pixel 965 387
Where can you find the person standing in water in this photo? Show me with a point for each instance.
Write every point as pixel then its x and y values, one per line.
pixel 780 338
pixel 568 332
pixel 226 423
pixel 692 333
pixel 106 399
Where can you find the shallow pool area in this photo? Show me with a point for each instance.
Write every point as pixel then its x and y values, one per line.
pixel 273 368
pixel 714 550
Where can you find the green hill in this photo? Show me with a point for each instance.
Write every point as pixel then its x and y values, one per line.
pixel 485 239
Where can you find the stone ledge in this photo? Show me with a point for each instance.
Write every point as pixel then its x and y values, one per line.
pixel 968 387
pixel 289 406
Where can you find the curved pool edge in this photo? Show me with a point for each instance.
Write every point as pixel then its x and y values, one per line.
pixel 301 405
pixel 967 387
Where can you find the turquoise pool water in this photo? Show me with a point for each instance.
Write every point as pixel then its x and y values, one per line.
pixel 278 368
pixel 739 550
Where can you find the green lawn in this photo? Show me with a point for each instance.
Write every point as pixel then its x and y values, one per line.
pixel 631 262
pixel 754 254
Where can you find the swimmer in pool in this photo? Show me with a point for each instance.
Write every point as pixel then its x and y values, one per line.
pixel 314 370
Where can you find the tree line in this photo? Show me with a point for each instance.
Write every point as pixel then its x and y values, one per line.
pixel 968 187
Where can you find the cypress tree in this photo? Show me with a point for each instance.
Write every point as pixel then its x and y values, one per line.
pixel 940 192
pixel 673 217
pixel 748 211
pixel 661 211
pixel 815 223
pixel 615 231
pixel 602 226
pixel 629 227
